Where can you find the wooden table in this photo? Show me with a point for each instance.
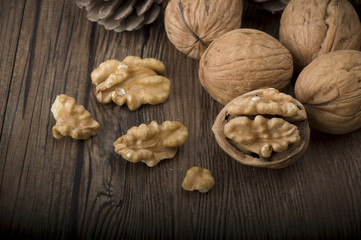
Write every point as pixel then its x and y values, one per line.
pixel 63 189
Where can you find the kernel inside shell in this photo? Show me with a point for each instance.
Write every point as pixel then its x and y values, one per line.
pixel 284 145
pixel 261 135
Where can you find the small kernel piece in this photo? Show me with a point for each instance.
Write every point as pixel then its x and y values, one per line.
pixel 151 143
pixel 134 82
pixel 198 178
pixel 266 150
pixel 72 120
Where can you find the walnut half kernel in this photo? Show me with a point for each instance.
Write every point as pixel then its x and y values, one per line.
pixel 151 143
pixel 72 119
pixel 134 82
pixel 198 178
pixel 263 128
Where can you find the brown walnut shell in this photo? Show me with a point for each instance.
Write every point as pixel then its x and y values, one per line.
pixel 244 60
pixel 191 25
pixel 263 128
pixel 311 28
pixel 330 89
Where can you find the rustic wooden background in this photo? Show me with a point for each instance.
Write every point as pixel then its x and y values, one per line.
pixel 66 189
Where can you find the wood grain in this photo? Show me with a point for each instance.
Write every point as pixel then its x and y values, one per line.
pixel 66 189
pixel 11 21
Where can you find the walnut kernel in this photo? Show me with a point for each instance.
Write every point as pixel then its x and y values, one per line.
pixel 272 103
pixel 133 81
pixel 72 120
pixel 198 178
pixel 262 135
pixel 151 143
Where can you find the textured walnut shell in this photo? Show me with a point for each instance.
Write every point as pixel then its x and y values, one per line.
pixel 330 89
pixel 275 107
pixel 191 25
pixel 312 28
pixel 244 60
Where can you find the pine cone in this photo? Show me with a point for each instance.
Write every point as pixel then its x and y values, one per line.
pixel 122 15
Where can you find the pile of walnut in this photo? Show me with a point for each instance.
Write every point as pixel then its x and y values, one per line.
pixel 318 39
pixel 133 81
pixel 243 69
pixel 324 38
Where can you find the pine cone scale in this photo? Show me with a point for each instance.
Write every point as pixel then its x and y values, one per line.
pixel 124 10
pixel 152 14
pixel 144 6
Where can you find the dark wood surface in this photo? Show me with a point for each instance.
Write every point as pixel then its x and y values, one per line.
pixel 66 189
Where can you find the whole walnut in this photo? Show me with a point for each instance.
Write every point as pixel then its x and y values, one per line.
pixel 243 60
pixel 312 28
pixel 330 89
pixel 191 25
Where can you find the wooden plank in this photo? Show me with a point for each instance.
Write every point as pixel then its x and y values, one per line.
pixel 11 20
pixel 39 177
pixel 81 189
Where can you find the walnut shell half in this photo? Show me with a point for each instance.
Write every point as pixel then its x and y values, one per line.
pixel 191 25
pixel 311 28
pixel 244 60
pixel 330 89
pixel 263 128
